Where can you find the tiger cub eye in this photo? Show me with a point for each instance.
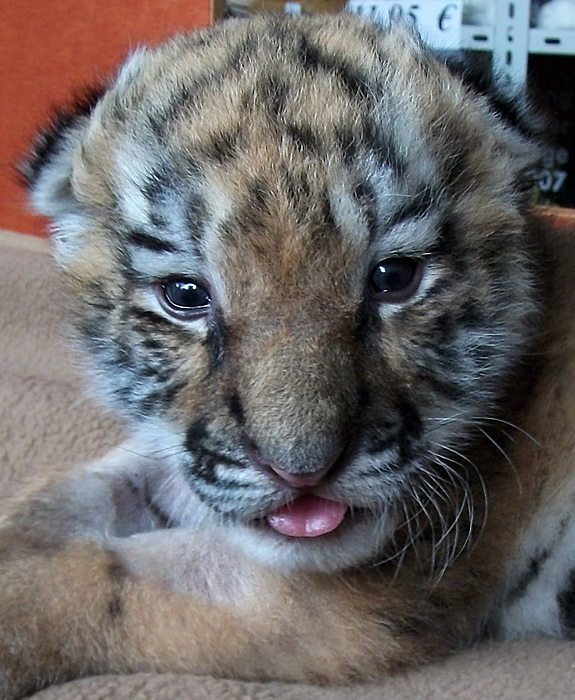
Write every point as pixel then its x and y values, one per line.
pixel 184 298
pixel 396 279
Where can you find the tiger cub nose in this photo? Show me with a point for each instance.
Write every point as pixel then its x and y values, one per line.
pixel 300 481
pixel 296 480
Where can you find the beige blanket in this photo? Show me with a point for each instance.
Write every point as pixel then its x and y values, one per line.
pixel 44 419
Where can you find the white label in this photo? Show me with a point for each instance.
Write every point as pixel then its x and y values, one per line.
pixel 292 8
pixel 438 21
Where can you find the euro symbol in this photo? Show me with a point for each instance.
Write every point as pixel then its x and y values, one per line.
pixel 446 17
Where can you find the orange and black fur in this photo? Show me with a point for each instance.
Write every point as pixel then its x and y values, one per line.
pixel 302 264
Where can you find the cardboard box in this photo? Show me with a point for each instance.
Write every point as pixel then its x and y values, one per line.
pixel 303 6
pixel 550 81
pixel 50 49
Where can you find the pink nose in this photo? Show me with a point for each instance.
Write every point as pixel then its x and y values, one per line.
pixel 296 480
pixel 300 481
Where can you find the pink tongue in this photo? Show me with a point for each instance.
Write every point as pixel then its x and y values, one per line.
pixel 307 516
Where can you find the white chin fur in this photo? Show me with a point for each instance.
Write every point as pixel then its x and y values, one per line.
pixel 348 546
pixel 150 455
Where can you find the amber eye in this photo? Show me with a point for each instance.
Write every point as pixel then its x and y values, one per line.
pixel 184 298
pixel 396 279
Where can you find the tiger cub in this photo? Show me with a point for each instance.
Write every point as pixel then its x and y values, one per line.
pixel 302 262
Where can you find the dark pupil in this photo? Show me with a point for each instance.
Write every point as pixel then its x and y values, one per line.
pixel 393 275
pixel 186 295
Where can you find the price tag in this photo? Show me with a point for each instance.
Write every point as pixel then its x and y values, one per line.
pixel 438 21
pixel 292 8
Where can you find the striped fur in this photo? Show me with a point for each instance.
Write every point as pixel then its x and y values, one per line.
pixel 279 164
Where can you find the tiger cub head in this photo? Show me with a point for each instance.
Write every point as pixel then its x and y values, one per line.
pixel 298 255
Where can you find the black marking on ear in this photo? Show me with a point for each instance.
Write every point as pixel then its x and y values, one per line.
pixel 49 140
pixel 566 602
pixel 512 108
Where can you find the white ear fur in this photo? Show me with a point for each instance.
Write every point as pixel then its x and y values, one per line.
pixel 50 186
pixel 48 172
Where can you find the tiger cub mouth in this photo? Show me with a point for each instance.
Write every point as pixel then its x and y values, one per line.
pixel 307 516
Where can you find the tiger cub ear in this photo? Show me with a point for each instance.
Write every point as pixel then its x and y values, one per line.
pixel 47 169
pixel 510 102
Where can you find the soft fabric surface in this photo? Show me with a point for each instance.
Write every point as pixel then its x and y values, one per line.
pixel 44 419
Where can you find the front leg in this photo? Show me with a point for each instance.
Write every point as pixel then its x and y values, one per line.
pixel 85 590
pixel 77 612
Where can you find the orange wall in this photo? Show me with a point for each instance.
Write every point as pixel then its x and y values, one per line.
pixel 51 48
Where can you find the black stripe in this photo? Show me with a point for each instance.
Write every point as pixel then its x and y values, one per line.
pixel 305 138
pixel 160 181
pixel 446 388
pixel 528 576
pixel 223 146
pixel 236 408
pixel 145 240
pixel 273 94
pixel 161 398
pixel 313 60
pixel 381 146
pixel 148 317
pixel 50 141
pixel 566 602
pixel 416 206
pixel 470 315
pixel 116 575
pixel 195 436
pixel 216 342
pixel 365 196
pixel 196 214
pixel 376 445
pixel 506 103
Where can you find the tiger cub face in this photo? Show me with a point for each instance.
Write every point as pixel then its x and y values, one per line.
pixel 298 257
